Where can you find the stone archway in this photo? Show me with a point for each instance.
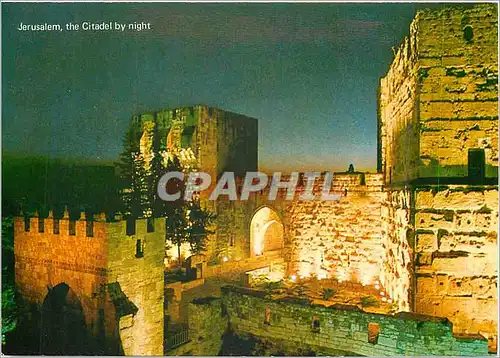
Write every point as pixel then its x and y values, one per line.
pixel 63 326
pixel 266 232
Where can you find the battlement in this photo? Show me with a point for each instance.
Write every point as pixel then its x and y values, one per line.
pixel 342 183
pixel 90 255
pixel 90 226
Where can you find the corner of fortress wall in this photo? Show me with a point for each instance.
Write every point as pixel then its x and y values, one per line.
pixel 440 96
pixel 439 100
pixel 89 264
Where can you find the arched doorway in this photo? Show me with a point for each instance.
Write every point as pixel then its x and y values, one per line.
pixel 63 323
pixel 266 232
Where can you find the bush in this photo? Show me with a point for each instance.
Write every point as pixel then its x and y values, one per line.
pixel 328 293
pixel 369 301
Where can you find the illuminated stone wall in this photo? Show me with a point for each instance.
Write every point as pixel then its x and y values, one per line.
pixel 438 101
pixel 340 238
pixel 398 121
pixel 220 140
pixel 141 281
pixel 397 231
pixel 439 97
pixel 458 99
pixel 207 324
pixel 341 328
pixel 456 248
pixel 44 260
pixel 121 294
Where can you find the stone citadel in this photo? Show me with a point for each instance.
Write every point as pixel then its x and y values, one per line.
pixel 421 232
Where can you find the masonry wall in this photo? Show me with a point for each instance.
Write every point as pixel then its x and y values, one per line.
pixel 397 275
pixel 458 99
pixel 121 295
pixel 237 138
pixel 44 259
pixel 339 238
pixel 398 121
pixel 457 260
pixel 141 281
pixel 440 96
pixel 344 327
pixel 221 140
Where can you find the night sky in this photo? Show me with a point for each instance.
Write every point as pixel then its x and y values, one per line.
pixel 308 72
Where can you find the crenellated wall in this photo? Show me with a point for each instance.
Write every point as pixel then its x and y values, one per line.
pixel 117 282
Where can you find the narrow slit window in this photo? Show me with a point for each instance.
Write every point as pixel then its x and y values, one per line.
pixel 150 225
pixel 316 324
pixel 41 225
pixel 267 316
pixel 130 227
pixel 90 228
pixel 468 33
pixel 56 226
pixel 27 223
pixel 72 227
pixel 476 165
pixel 139 248
pixel 373 332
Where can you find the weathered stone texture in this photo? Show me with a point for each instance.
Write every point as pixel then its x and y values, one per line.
pixel 397 229
pixel 344 328
pixel 121 294
pixel 341 238
pixel 220 140
pixel 141 280
pixel 440 96
pixel 456 248
pixel 207 324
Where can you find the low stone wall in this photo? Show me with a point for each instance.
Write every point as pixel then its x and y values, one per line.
pixel 207 324
pixel 344 328
pixel 238 268
pixel 173 297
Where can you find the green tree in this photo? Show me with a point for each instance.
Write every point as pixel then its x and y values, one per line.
pixel 200 220
pixel 176 219
pixel 186 221
pixel 133 176
pixel 9 308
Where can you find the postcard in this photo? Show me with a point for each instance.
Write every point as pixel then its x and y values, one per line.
pixel 250 179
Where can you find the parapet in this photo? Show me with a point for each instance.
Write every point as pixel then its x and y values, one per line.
pixel 91 226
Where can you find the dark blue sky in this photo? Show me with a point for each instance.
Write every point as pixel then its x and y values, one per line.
pixel 308 72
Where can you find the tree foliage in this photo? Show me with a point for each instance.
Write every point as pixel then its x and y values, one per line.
pixel 9 307
pixel 186 221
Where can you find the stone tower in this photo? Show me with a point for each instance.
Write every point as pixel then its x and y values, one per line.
pixel 90 286
pixel 438 152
